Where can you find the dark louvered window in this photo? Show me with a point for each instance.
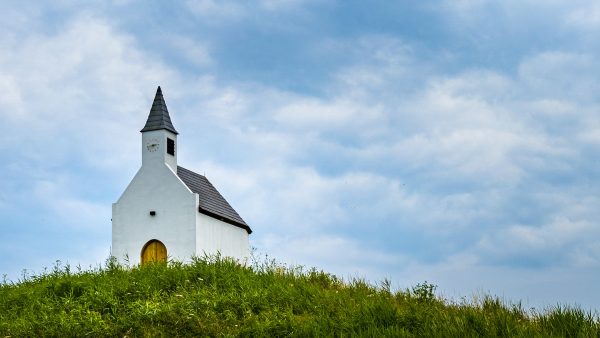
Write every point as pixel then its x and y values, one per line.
pixel 170 147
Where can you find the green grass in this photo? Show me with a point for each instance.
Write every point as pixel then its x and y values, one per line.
pixel 216 297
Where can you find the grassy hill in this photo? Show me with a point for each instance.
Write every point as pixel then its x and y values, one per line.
pixel 215 297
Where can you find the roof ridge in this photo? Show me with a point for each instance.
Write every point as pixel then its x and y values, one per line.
pixel 212 203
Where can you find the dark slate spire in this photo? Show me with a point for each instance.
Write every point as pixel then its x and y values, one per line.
pixel 159 115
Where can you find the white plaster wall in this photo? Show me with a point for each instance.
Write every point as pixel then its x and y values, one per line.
pixel 214 236
pixel 177 223
pixel 155 187
pixel 160 155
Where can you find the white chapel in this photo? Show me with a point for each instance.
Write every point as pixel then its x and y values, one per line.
pixel 169 212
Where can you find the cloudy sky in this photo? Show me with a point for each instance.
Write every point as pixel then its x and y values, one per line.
pixel 452 141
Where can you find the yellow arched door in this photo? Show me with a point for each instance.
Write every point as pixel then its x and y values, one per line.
pixel 154 251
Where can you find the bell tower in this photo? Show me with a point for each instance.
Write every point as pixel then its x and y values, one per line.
pixel 159 137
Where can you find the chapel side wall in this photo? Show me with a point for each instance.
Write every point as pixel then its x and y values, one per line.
pixel 159 189
pixel 213 235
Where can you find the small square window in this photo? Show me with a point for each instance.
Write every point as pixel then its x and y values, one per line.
pixel 170 147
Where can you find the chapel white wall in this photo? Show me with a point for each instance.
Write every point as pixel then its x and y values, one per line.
pixel 213 235
pixel 177 223
pixel 155 188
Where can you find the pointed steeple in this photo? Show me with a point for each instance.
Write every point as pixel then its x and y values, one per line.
pixel 159 115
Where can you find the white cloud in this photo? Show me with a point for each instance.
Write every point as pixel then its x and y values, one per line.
pixel 216 11
pixel 558 74
pixel 585 16
pixel 11 100
pixel 280 5
pixel 345 257
pixel 71 87
pixel 319 115
pixel 591 137
pixel 556 240
pixel 380 60
pixel 194 51
pixel 76 212
pixel 220 12
pixel 452 158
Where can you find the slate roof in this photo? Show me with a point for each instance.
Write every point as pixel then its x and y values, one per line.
pixel 159 115
pixel 212 202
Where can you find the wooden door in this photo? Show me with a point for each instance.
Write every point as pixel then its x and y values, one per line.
pixel 154 251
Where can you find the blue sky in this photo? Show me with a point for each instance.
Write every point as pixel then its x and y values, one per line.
pixel 450 141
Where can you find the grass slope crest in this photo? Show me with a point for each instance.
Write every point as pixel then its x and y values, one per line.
pixel 212 296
